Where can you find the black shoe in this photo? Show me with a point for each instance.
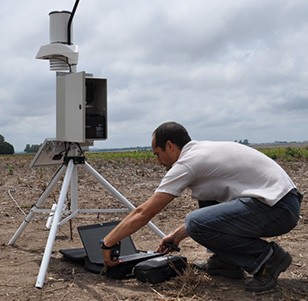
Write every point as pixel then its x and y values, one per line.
pixel 266 277
pixel 216 266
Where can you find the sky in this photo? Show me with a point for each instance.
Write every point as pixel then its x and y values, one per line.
pixel 226 70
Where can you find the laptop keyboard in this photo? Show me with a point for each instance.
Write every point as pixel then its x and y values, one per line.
pixel 138 256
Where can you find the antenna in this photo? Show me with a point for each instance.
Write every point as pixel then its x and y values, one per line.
pixel 69 24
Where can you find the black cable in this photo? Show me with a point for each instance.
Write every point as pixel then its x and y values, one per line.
pixel 80 149
pixel 69 24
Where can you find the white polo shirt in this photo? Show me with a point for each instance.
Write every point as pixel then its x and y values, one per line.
pixel 223 171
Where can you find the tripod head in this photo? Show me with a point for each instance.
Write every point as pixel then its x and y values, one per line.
pixel 54 152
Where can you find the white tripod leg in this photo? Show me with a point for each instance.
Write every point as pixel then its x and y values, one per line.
pixel 37 205
pixel 53 231
pixel 118 195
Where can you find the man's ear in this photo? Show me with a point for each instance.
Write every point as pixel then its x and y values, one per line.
pixel 169 145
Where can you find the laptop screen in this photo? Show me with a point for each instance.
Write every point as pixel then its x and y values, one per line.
pixel 91 236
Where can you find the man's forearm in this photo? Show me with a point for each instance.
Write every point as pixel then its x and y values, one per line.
pixel 179 234
pixel 138 218
pixel 132 223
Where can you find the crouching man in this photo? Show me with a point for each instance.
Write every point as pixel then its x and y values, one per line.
pixel 250 197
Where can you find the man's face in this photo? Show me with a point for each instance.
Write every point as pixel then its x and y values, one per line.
pixel 164 157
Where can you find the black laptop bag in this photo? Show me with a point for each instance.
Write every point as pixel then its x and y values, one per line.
pixel 160 269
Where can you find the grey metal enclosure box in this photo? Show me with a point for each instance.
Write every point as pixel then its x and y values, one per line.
pixel 81 107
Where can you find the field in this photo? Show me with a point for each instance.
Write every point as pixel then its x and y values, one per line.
pixel 135 177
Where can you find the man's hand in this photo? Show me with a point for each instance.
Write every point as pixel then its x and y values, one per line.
pixel 173 238
pixel 166 244
pixel 108 260
pixel 172 246
pixel 135 220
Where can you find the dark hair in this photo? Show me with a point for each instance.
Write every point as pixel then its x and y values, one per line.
pixel 173 132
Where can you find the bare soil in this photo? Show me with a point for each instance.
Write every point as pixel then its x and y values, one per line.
pixel 20 187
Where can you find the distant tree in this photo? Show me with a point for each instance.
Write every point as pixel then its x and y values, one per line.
pixel 31 148
pixel 245 142
pixel 5 147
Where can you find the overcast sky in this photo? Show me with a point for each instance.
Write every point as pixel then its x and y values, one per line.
pixel 226 70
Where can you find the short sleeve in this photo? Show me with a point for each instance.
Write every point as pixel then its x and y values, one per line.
pixel 176 180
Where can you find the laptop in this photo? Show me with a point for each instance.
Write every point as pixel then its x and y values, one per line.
pixel 129 255
pixel 90 236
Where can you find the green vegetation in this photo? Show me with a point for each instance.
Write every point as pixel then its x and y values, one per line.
pixel 10 169
pixel 286 153
pixel 276 153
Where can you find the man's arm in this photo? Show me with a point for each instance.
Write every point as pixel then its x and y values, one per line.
pixel 135 220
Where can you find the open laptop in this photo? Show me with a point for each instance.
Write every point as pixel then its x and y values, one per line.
pixel 92 234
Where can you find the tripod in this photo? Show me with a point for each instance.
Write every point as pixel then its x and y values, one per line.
pixel 70 180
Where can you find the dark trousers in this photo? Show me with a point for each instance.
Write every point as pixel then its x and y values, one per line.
pixel 234 229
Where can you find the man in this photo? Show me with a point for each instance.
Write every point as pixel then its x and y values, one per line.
pixel 250 195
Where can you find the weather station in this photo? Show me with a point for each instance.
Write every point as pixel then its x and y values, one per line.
pixel 81 118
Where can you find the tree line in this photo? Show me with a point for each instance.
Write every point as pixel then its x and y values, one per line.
pixel 7 148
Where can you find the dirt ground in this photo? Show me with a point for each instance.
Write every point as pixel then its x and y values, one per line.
pixel 20 187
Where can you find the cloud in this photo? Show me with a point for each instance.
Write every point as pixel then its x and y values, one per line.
pixel 227 70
